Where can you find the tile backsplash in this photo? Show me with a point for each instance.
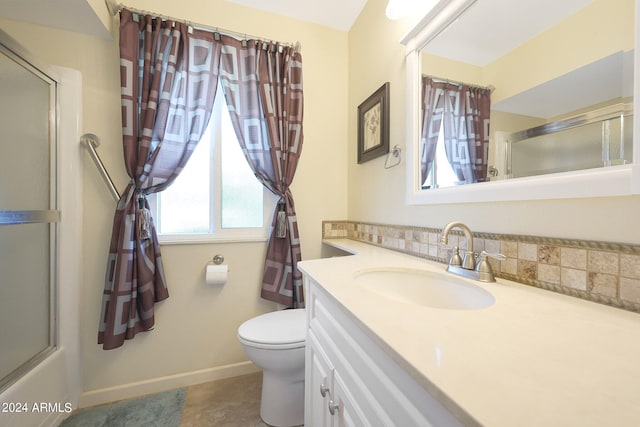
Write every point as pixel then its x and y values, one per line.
pixel 603 272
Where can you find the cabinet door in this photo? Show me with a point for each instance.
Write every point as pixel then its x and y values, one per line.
pixel 318 381
pixel 346 412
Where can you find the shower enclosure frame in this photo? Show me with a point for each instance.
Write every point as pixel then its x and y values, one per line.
pixel 50 216
pixel 55 378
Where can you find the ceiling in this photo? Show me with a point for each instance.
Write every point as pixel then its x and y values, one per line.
pixel 56 14
pixel 491 28
pixel 515 17
pixel 337 14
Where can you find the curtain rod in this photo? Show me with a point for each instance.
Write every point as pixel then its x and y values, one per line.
pixel 114 7
pixel 490 88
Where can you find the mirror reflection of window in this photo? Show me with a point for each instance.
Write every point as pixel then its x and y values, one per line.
pixel 441 173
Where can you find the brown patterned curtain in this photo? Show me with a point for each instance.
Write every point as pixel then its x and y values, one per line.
pixel 262 83
pixel 169 80
pixel 466 131
pixel 432 113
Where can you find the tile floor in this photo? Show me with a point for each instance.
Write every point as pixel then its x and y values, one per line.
pixel 231 402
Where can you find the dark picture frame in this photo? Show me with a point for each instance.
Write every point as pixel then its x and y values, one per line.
pixel 373 125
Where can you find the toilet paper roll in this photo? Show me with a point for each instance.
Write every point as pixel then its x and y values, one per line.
pixel 216 274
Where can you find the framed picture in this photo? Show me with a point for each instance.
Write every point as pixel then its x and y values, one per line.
pixel 373 125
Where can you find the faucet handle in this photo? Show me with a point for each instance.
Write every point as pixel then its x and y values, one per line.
pixel 485 254
pixel 455 260
pixel 484 268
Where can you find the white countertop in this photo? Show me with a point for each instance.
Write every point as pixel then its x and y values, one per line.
pixel 534 358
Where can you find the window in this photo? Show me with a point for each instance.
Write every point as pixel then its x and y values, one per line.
pixel 216 196
pixel 441 173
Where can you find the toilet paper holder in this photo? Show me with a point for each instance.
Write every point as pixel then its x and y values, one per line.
pixel 218 259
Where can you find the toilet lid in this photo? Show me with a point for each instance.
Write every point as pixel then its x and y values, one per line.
pixel 276 328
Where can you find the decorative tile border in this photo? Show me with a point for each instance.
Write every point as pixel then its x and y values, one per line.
pixel 602 272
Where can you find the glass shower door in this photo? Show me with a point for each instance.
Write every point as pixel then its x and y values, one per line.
pixel 28 215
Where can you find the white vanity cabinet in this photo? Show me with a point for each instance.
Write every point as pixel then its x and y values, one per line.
pixel 351 381
pixel 329 402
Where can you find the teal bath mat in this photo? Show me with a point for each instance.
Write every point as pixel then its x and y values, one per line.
pixel 157 410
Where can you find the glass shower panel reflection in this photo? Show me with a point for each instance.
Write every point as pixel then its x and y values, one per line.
pixel 572 149
pixel 592 144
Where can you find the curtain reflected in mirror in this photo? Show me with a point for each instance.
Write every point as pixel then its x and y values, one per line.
pixel 455 133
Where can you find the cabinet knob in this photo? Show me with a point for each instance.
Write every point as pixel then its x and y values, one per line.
pixel 324 390
pixel 333 407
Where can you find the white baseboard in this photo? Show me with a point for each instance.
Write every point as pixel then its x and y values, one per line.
pixel 156 385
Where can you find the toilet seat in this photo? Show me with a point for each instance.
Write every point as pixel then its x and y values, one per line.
pixel 279 330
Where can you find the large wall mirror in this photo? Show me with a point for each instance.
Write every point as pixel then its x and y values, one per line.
pixel 561 79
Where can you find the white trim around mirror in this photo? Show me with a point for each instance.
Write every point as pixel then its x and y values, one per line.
pixel 610 181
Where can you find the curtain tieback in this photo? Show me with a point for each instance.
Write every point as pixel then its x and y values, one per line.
pixel 281 221
pixel 143 218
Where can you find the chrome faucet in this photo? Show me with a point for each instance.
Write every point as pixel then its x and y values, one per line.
pixel 469 261
pixel 467 267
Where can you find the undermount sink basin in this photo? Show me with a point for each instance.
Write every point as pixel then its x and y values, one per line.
pixel 424 288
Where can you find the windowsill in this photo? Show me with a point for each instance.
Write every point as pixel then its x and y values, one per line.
pixel 200 239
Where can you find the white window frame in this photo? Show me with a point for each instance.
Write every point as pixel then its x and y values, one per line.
pixel 218 234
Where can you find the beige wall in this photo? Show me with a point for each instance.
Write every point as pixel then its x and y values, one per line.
pixel 378 195
pixel 196 327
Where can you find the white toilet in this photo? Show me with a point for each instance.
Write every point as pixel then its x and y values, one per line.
pixel 275 342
